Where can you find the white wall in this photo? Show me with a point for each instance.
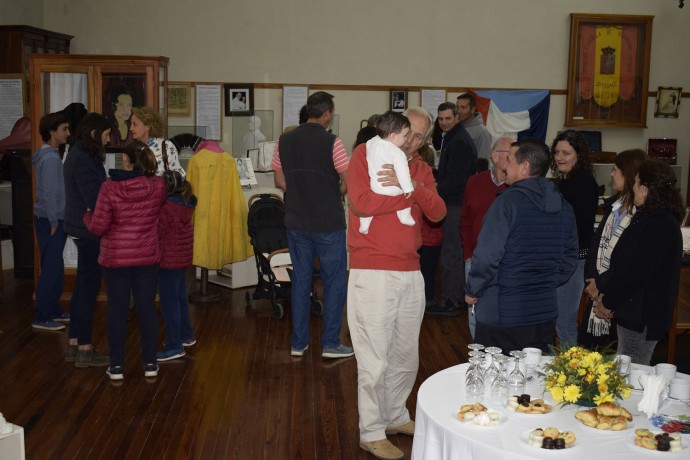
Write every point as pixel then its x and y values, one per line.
pixel 444 43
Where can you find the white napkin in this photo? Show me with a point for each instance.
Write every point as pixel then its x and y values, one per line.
pixel 653 386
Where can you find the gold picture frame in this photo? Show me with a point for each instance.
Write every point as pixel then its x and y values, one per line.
pixel 179 99
pixel 608 70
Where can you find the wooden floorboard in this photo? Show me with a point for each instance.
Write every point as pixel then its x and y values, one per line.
pixel 238 394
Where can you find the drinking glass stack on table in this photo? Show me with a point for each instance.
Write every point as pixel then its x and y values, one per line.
pixel 596 403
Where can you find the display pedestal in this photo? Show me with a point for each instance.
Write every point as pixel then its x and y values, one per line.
pixel 203 295
pixel 12 444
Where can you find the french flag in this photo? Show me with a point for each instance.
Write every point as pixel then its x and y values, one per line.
pixel 519 114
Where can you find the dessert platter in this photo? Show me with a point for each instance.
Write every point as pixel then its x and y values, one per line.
pixel 479 415
pixel 550 438
pixel 523 404
pixel 658 442
pixel 607 416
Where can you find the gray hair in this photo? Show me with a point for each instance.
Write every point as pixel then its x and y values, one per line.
pixel 421 112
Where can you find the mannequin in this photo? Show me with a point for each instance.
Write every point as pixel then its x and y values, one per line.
pixel 253 136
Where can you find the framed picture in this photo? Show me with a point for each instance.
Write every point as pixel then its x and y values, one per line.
pixel 239 99
pixel 608 70
pixel 667 102
pixel 121 92
pixel 179 99
pixel 398 100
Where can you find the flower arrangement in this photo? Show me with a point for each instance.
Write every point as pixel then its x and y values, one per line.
pixel 581 375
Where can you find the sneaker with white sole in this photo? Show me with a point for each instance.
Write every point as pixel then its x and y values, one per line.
pixel 63 318
pixel 47 325
pixel 298 351
pixel 151 370
pixel 341 351
pixel 189 342
pixel 167 355
pixel 115 373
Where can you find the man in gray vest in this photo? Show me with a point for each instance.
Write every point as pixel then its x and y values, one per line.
pixel 310 165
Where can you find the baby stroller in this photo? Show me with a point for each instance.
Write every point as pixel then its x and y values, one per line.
pixel 266 227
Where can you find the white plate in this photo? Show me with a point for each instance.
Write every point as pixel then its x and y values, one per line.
pixel 642 450
pixel 503 419
pixel 524 437
pixel 515 411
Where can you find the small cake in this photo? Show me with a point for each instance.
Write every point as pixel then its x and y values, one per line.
pixel 513 402
pixel 675 442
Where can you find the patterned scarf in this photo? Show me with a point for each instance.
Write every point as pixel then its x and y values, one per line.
pixel 616 223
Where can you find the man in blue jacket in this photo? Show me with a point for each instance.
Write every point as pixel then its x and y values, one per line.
pixel 527 246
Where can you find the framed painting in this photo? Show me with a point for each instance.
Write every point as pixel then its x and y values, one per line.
pixel 121 92
pixel 239 99
pixel 667 102
pixel 608 70
pixel 179 99
pixel 398 100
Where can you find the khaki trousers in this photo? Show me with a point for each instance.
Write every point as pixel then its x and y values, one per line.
pixel 384 313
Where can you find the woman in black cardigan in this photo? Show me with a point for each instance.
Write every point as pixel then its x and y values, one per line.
pixel 618 211
pixel 640 286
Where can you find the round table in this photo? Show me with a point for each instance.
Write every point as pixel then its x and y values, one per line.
pixel 439 435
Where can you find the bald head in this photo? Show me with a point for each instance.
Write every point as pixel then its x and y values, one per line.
pixel 499 153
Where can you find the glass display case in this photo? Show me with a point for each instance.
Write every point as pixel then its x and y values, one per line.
pixel 248 131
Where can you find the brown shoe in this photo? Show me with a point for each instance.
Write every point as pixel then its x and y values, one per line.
pixel 383 449
pixel 91 358
pixel 407 428
pixel 71 355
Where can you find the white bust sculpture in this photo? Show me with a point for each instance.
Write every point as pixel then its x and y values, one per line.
pixel 253 136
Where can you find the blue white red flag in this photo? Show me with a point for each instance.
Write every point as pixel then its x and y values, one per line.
pixel 519 114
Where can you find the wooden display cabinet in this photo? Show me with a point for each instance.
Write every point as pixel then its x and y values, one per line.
pixel 58 80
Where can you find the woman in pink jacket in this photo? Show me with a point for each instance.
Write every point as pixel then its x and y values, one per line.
pixel 126 218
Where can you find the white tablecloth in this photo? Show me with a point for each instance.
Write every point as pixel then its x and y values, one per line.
pixel 439 435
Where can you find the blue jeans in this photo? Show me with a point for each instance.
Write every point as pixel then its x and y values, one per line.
pixel 85 290
pixel 172 289
pixel 569 295
pixel 141 282
pixel 635 345
pixel 329 247
pixel 49 286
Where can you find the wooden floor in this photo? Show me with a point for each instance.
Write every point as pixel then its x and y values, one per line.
pixel 236 395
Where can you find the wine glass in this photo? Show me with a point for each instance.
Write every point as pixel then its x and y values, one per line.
pixel 492 371
pixel 499 387
pixel 474 384
pixel 623 362
pixel 516 379
pixel 477 364
pixel 475 346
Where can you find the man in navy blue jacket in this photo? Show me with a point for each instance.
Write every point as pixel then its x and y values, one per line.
pixel 527 247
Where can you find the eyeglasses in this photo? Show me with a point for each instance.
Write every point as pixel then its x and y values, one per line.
pixel 501 151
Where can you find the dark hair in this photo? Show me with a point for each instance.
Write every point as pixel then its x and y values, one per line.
pixel 629 161
pixel 303 116
pixel 536 153
pixel 75 113
pixel 90 132
pixel 117 92
pixel 662 192
pixel 176 185
pixel 141 158
pixel 427 155
pixel 448 106
pixel 469 97
pixel 319 103
pixel 364 134
pixel 51 122
pixel 391 122
pixel 373 119
pixel 578 142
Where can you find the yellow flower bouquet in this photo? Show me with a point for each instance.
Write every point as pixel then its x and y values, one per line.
pixel 578 375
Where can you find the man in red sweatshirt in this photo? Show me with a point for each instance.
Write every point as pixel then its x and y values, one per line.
pixel 385 299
